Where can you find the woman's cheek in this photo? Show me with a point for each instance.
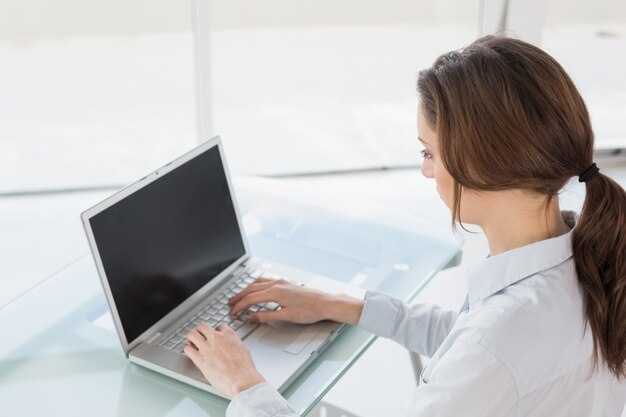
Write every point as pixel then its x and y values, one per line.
pixel 444 188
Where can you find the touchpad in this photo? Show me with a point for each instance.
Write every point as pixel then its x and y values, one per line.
pixel 291 338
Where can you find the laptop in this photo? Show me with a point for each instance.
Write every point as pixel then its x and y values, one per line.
pixel 170 251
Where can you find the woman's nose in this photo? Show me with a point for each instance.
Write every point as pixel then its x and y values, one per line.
pixel 427 171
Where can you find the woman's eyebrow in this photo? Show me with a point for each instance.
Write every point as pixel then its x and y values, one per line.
pixel 422 140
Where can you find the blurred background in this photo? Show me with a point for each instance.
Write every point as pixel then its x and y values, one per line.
pixel 94 94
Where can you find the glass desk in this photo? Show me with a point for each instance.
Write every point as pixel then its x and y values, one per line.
pixel 56 360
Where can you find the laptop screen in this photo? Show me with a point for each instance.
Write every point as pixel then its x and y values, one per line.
pixel 165 241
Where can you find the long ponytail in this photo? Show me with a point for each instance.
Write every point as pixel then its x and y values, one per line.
pixel 599 245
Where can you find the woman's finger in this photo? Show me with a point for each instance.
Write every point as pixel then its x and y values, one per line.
pixel 252 288
pixel 223 327
pixel 196 338
pixel 205 330
pixel 192 353
pixel 252 299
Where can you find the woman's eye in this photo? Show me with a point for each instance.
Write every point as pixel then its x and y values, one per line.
pixel 425 154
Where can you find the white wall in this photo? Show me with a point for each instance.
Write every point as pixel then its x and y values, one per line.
pixel 28 18
pixel 33 18
pixel 39 18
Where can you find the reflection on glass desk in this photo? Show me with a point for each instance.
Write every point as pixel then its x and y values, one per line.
pixel 56 358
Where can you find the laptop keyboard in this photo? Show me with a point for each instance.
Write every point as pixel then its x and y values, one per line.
pixel 217 312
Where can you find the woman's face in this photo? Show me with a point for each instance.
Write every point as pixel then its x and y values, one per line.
pixel 432 167
pixel 475 203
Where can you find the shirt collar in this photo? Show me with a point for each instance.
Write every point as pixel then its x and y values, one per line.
pixel 498 272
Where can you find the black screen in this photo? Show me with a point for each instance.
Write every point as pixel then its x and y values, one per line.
pixel 164 242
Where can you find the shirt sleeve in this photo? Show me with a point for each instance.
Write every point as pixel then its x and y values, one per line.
pixel 261 400
pixel 468 380
pixel 420 328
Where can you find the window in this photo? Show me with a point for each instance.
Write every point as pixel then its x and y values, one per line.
pixel 93 93
pixel 589 40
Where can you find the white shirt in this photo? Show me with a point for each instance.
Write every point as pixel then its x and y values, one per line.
pixel 519 347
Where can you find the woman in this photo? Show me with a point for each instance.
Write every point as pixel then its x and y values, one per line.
pixel 543 330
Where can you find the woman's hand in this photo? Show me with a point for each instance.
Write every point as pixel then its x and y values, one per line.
pixel 222 358
pixel 298 304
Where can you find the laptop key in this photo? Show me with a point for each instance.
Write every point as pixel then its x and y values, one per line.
pixel 236 324
pixel 272 305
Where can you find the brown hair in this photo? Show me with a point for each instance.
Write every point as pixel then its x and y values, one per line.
pixel 507 116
